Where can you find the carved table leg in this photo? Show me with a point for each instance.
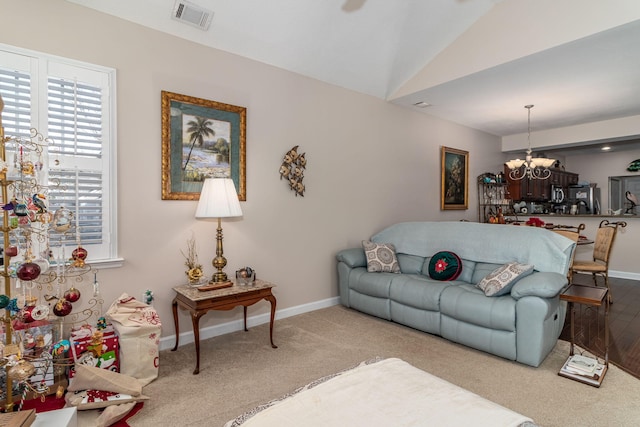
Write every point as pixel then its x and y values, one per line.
pixel 272 300
pixel 195 318
pixel 174 305
pixel 245 319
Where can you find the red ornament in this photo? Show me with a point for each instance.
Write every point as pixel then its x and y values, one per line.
pixel 26 314
pixel 28 271
pixel 72 294
pixel 79 254
pixel 62 308
pixel 11 251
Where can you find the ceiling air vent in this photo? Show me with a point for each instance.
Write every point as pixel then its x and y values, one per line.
pixel 192 14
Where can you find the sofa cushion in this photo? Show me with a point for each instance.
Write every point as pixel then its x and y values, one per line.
pixel 501 280
pixel 468 267
pixel 410 264
pixel 445 265
pixel 481 270
pixel 381 257
pixel 468 304
pixel 417 291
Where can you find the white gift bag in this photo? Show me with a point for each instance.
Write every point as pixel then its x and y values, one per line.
pixel 138 327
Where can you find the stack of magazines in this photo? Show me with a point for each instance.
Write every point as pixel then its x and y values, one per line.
pixel 583 365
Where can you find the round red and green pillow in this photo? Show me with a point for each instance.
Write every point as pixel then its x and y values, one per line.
pixel 444 266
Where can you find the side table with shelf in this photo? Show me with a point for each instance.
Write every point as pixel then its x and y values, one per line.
pixel 593 297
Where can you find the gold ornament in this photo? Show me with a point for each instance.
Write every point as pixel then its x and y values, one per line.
pixel 194 274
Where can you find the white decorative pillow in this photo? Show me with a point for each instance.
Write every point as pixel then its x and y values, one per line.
pixel 501 280
pixel 381 257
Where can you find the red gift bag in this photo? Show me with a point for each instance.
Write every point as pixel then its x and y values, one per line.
pixel 93 347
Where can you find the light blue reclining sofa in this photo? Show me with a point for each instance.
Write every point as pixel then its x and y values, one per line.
pixel 523 325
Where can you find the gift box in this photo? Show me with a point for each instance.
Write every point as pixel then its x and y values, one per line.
pixel 95 347
pixel 32 342
pixel 33 339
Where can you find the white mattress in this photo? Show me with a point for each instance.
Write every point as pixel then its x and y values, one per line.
pixel 388 392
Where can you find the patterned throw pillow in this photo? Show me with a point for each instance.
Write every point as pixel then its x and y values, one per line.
pixel 501 280
pixel 445 266
pixel 381 257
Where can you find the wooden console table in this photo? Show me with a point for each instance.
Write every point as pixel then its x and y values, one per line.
pixel 200 302
pixel 594 297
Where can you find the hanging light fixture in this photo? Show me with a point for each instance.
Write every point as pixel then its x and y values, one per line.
pixel 534 167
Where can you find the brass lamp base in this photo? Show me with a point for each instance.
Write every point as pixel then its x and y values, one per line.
pixel 219 262
pixel 219 277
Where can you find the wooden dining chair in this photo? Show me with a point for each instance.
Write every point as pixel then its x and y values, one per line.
pixel 601 253
pixel 570 232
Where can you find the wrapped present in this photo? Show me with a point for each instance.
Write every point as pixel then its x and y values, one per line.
pixel 95 347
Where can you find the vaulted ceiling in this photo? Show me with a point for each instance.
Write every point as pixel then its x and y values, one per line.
pixel 476 62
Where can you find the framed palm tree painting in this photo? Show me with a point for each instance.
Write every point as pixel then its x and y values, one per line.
pixel 201 139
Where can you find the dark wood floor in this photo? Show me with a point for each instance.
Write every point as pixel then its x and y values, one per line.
pixel 624 324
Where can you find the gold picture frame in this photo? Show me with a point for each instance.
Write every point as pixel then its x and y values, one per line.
pixel 201 139
pixel 454 180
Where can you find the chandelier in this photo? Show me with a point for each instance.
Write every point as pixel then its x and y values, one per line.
pixel 534 167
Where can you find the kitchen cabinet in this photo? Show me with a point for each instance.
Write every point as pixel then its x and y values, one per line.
pixel 563 178
pixel 539 190
pixel 493 198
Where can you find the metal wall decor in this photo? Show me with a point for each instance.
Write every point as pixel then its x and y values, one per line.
pixel 292 169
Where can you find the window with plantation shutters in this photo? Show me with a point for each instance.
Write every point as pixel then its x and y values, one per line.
pixel 70 104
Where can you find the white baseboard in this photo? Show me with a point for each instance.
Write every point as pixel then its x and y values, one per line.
pixel 237 325
pixel 624 275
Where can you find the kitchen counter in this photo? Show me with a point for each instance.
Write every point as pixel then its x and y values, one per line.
pixel 624 263
pixel 551 215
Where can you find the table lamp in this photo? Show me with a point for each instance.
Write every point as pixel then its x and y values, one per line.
pixel 218 199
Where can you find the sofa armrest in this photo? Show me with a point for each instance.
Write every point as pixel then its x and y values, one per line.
pixel 540 284
pixel 353 257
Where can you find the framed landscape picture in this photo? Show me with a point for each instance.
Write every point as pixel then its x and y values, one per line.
pixel 454 181
pixel 201 139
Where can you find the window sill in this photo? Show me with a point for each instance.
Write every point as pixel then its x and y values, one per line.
pixel 107 263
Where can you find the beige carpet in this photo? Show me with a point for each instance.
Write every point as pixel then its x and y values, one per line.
pixel 240 370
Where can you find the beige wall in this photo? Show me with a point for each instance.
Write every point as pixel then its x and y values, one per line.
pixel 370 163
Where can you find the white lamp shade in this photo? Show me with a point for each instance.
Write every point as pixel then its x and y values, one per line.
pixel 218 199
pixel 515 164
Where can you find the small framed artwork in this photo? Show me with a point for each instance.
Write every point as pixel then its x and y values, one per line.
pixel 201 139
pixel 454 191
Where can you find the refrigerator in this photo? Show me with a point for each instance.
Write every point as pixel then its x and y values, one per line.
pixel 586 197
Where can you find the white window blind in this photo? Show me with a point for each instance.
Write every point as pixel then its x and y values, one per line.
pixel 70 103
pixel 15 88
